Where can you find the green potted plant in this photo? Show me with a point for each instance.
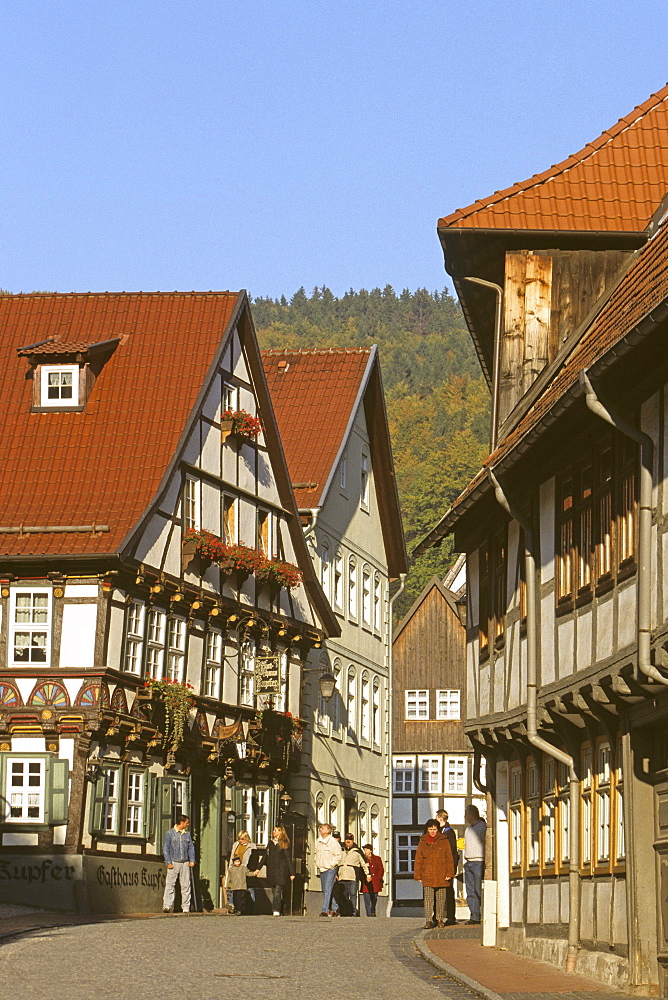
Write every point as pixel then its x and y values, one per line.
pixel 177 698
pixel 240 423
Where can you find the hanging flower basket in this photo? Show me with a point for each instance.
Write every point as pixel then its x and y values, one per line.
pixel 203 544
pixel 240 423
pixel 177 699
pixel 240 559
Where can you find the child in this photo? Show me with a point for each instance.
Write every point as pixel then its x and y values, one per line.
pixel 236 883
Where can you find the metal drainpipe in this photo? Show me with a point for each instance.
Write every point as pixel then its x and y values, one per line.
pixel 390 734
pixel 532 725
pixel 498 290
pixel 644 582
pixel 313 512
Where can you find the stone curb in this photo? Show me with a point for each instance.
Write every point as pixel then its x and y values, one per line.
pixel 459 977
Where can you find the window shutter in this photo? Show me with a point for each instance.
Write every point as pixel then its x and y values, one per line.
pixel 58 792
pixel 96 811
pixel 165 807
pixel 149 804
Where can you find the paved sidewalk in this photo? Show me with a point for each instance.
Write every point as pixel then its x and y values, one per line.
pixel 502 975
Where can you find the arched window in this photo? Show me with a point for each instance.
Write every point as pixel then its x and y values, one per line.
pixel 322 715
pixel 377 604
pixel 366 596
pixel 375 829
pixel 365 709
pixel 333 816
pixel 352 703
pixel 320 809
pixel 335 700
pixel 338 581
pixel 324 566
pixel 362 817
pixel 352 587
pixel 375 713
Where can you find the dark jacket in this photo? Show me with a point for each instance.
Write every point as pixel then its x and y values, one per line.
pixel 278 861
pixel 376 871
pixel 433 861
pixel 452 839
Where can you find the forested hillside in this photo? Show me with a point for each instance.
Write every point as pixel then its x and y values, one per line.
pixel 437 401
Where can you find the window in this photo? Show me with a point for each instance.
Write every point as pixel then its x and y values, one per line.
pixel 134 818
pixel 25 790
pixel 492 590
pixel 333 812
pixel 229 520
pixel 404 774
pixel 179 799
pixel 263 540
pixel 352 703
pixel 109 800
pixel 375 829
pixel 515 816
pixel 30 616
pixel 324 566
pixel 375 713
pixel 417 704
pixel 364 482
pixel 155 652
pixel 549 811
pixel 230 397
pixel 447 704
pixel 338 580
pixel 320 809
pixel 261 809
pixel 214 663
pixel 586 806
pixel 620 851
pixel 533 813
pixel 564 814
pixel 352 587
pixel 455 774
pixel 176 649
pixel 377 604
pixel 406 847
pixel 362 823
pixel 335 700
pixel 322 716
pixel 247 673
pixel 134 637
pixel 429 769
pixel 499 595
pixel 343 471
pixel 603 775
pixel 191 504
pixel 365 714
pixel 366 596
pixel 59 385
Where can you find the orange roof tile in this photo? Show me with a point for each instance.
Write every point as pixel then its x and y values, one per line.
pixel 102 465
pixel 614 184
pixel 313 393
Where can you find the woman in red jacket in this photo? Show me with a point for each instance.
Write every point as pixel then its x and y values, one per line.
pixel 371 889
pixel 435 868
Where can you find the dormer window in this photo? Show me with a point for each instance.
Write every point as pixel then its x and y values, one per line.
pixel 59 385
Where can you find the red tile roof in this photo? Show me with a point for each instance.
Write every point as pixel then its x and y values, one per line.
pixel 102 465
pixel 614 184
pixel 313 393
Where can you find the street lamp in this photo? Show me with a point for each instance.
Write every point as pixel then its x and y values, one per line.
pixel 326 681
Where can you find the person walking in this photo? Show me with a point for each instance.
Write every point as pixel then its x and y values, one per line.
pixel 235 883
pixel 353 869
pixel 450 901
pixel 435 868
pixel 371 889
pixel 327 857
pixel 474 861
pixel 280 867
pixel 179 852
pixel 243 848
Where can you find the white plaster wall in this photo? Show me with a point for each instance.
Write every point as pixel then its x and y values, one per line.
pixel 455 805
pixel 210 458
pixel 267 488
pixel 533 902
pixel 472 681
pixel 152 543
pixel 603 910
pixel 604 628
pixel 77 643
pixel 194 659
pixel 516 902
pixel 211 508
pixel 239 367
pixel 427 808
pixel 402 812
pixel 247 516
pixel 664 541
pixel 626 615
pixel 514 696
pixel 173 555
pixel 547 665
pixel 584 639
pixel 565 646
pixel 115 635
pixel 484 688
pixel 211 407
pixel 81 590
pixel 246 467
pixel 499 680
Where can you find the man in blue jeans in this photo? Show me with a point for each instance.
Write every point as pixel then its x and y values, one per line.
pixel 474 860
pixel 179 852
pixel 327 858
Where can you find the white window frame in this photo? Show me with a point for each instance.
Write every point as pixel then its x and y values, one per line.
pixel 134 638
pixel 338 581
pixel 375 713
pixel 192 503
pixel 448 704
pixel 366 597
pixel 320 809
pixel 32 627
pixel 177 643
pixel 351 702
pixel 375 828
pixel 405 848
pixel 333 812
pixel 353 598
pixel 455 776
pixel 322 715
pixel 156 627
pixel 214 663
pixel 336 701
pixel 377 604
pixel 134 813
pixel 603 803
pixel 365 708
pixel 110 800
pixel 325 567
pixel 417 704
pixel 430 775
pixel 403 775
pixel 230 399
pixel 59 402
pixel 365 473
pixel 179 798
pixel 26 797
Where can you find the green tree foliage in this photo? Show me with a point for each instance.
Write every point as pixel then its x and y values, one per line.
pixel 437 401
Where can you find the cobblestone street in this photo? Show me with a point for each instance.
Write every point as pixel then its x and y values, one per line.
pixel 224 958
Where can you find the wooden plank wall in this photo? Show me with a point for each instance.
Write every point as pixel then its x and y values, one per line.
pixel 430 653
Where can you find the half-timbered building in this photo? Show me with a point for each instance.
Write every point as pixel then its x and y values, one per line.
pixel 564 283
pixel 157 596
pixel 331 414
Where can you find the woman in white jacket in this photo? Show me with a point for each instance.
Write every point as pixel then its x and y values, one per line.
pixel 327 857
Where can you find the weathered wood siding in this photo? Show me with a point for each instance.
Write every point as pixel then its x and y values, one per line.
pixel 429 653
pixel 547 295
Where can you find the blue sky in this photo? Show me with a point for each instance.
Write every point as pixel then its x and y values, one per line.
pixel 268 145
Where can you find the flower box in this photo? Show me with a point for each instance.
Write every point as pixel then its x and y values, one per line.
pixel 240 423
